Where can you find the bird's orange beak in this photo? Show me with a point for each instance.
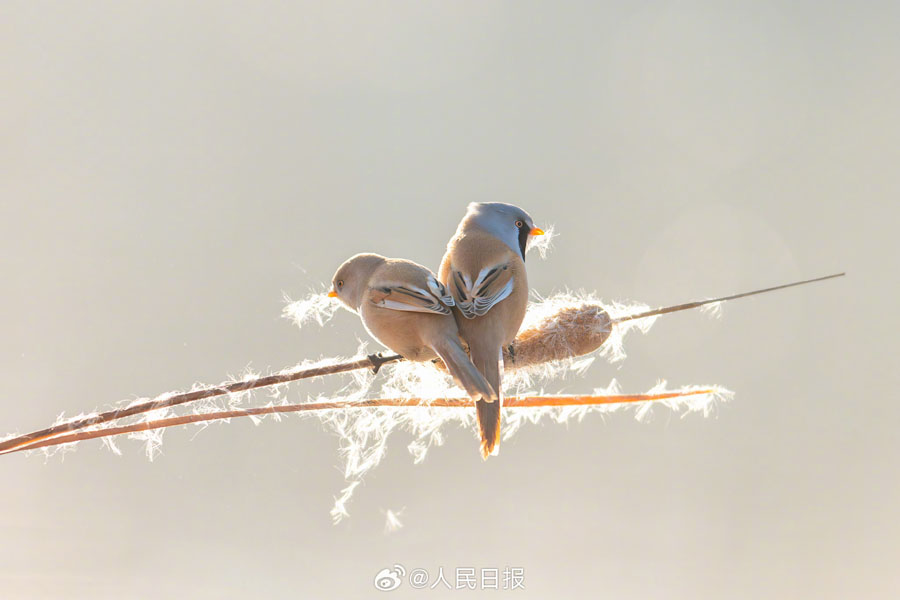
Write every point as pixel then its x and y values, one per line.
pixel 536 231
pixel 332 294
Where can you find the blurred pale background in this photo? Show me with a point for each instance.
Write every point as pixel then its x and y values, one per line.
pixel 169 169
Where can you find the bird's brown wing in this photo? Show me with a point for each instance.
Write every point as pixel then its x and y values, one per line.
pixel 433 298
pixel 476 294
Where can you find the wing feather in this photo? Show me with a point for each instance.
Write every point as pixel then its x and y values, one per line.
pixel 407 297
pixel 474 299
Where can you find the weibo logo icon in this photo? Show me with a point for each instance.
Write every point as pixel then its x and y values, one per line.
pixel 388 579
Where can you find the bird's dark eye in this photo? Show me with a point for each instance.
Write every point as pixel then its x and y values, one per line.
pixel 520 224
pixel 340 283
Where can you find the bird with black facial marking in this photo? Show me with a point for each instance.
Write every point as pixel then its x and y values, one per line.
pixel 404 306
pixel 484 270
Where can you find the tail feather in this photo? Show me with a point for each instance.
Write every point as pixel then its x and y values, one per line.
pixel 488 425
pixel 488 413
pixel 462 369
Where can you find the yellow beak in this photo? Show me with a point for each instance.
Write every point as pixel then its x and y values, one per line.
pixel 536 231
pixel 332 294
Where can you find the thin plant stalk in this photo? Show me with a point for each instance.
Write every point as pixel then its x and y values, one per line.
pixel 513 402
pixel 697 304
pixel 166 400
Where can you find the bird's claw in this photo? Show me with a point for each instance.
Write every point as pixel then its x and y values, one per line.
pixel 511 349
pixel 377 360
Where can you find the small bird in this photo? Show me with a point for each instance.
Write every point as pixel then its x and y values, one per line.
pixel 484 269
pixel 405 307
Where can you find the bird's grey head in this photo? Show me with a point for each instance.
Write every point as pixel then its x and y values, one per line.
pixel 351 280
pixel 507 222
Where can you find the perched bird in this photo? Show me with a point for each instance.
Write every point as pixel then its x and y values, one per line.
pixel 484 269
pixel 405 307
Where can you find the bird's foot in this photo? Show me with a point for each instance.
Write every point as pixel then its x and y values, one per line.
pixel 511 349
pixel 377 360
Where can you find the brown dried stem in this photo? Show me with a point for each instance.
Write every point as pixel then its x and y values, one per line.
pixel 166 400
pixel 514 402
pixel 689 305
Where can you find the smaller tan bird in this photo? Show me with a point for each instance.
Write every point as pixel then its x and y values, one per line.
pixel 405 307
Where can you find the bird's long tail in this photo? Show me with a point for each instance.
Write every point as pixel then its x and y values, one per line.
pixel 454 356
pixel 488 413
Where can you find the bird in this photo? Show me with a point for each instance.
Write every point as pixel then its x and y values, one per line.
pixel 484 270
pixel 404 306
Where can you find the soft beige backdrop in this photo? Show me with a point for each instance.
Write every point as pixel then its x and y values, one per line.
pixel 169 169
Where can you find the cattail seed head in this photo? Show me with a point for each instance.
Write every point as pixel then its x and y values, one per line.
pixel 570 332
pixel 573 331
